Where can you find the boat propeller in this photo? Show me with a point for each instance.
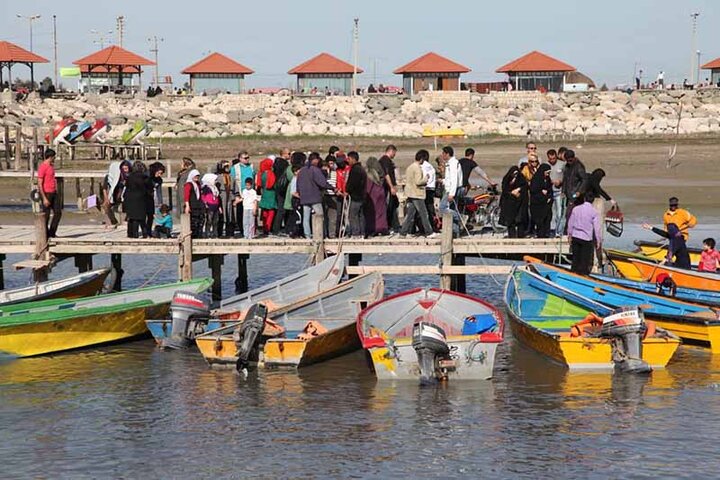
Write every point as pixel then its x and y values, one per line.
pixel 247 335
pixel 626 327
pixel 433 352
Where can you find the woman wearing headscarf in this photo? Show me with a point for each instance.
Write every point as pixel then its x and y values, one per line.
pixel 226 226
pixel 375 205
pixel 156 171
pixel 210 196
pixel 678 255
pixel 268 200
pixel 541 198
pixel 138 195
pixel 182 177
pixel 113 191
pixel 514 203
pixel 193 204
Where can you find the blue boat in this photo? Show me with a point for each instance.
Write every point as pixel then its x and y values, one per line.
pixel 692 295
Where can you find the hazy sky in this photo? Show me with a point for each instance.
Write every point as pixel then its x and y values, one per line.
pixel 603 39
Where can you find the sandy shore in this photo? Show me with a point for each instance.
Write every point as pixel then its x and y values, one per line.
pixel 637 176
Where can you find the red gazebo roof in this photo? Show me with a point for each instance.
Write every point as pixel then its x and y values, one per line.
pixel 9 52
pixel 114 55
pixel 714 64
pixel 431 62
pixel 323 63
pixel 536 62
pixel 218 63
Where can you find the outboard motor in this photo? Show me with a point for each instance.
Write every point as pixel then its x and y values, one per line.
pixel 189 315
pixel 247 335
pixel 626 327
pixel 431 348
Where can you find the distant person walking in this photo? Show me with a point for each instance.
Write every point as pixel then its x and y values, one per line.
pixel 680 217
pixel 47 188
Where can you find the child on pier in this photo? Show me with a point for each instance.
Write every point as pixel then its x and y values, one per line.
pixel 162 223
pixel 210 196
pixel 250 205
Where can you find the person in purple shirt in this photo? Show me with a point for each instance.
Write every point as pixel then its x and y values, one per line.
pixel 584 235
pixel 311 183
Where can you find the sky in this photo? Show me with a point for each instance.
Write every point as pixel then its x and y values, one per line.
pixel 606 40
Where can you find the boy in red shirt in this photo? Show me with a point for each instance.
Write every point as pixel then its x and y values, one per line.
pixel 47 187
pixel 709 257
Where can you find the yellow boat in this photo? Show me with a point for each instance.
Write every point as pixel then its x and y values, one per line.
pixel 542 313
pixel 443 132
pixel 38 328
pixel 315 329
pixel 622 262
pixel 658 251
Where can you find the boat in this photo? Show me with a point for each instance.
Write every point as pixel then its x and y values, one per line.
pixel 83 285
pixel 431 335
pixel 312 330
pixel 77 131
pixel 135 134
pixel 285 291
pixel 697 323
pixel 683 278
pixel 96 134
pixel 620 261
pixel 658 251
pixel 429 131
pixel 692 295
pixel 50 326
pixel 60 130
pixel 541 315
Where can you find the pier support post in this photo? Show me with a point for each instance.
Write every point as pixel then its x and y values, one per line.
pixel 7 147
pixel 241 282
pixel 33 162
pixel 354 260
pixel 215 263
pixel 41 247
pixel 18 147
pixel 318 238
pixel 2 271
pixel 446 249
pixel 458 281
pixel 78 195
pixel 185 257
pixel 116 263
pixel 83 263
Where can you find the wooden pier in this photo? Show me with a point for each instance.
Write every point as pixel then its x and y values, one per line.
pixel 83 242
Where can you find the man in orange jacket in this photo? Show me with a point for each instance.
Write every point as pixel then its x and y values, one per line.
pixel 680 217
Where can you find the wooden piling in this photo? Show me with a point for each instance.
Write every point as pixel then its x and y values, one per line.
pixel 185 257
pixel 78 195
pixel 83 263
pixel 215 263
pixel 458 279
pixel 241 282
pixel 446 249
pixel 116 263
pixel 354 260
pixel 18 147
pixel 41 247
pixel 7 146
pixel 35 161
pixel 2 271
pixel 318 239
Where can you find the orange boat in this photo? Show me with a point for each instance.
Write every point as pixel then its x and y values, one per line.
pixel 683 278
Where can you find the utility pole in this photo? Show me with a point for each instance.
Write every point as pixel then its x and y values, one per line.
pixel 120 27
pixel 55 51
pixel 694 17
pixel 154 43
pixel 698 66
pixel 356 34
pixel 30 19
pixel 100 40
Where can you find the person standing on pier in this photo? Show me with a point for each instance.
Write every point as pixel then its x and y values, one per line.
pixel 310 185
pixel 452 183
pixel 47 187
pixel 514 203
pixel 541 199
pixel 584 235
pixel 468 165
pixel 193 204
pixel 415 181
pixel 574 183
pixel 557 222
pixel 356 188
pixel 182 177
pixel 138 197
pixel 240 172
pixel 376 204
pixel 268 201
pixel 388 165
pixel 156 170
pixel 113 190
pixel 283 175
pixel 226 227
pixel 530 148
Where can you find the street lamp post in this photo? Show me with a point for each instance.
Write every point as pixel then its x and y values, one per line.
pixel 698 66
pixel 30 19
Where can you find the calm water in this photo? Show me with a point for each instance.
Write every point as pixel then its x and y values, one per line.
pixel 135 412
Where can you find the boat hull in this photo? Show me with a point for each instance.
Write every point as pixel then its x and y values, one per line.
pixel 585 353
pixel 658 251
pixel 82 288
pixel 683 278
pixel 43 338
pixel 399 362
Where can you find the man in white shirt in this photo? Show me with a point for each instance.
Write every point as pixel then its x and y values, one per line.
pixel 557 166
pixel 661 79
pixel 530 147
pixel 429 172
pixel 453 186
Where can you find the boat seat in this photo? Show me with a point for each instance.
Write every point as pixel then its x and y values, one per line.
pixel 553 323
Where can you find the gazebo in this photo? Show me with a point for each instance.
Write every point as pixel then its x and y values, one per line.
pixel 216 72
pixel 10 54
pixel 324 73
pixel 714 67
pixel 536 71
pixel 109 67
pixel 431 72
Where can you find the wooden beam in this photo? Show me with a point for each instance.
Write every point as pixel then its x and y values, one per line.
pixel 430 269
pixel 185 257
pixel 41 246
pixel 18 147
pixel 7 147
pixel 318 236
pixel 446 249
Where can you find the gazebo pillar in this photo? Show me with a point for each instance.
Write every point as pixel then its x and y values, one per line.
pixel 32 76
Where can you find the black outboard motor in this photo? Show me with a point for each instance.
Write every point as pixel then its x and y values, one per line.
pixel 625 327
pixel 247 335
pixel 189 315
pixel 431 348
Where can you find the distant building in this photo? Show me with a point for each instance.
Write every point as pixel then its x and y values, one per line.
pixel 112 68
pixel 217 73
pixel 714 67
pixel 431 72
pixel 11 54
pixel 537 71
pixel 324 73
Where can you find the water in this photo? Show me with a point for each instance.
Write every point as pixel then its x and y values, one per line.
pixel 133 411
